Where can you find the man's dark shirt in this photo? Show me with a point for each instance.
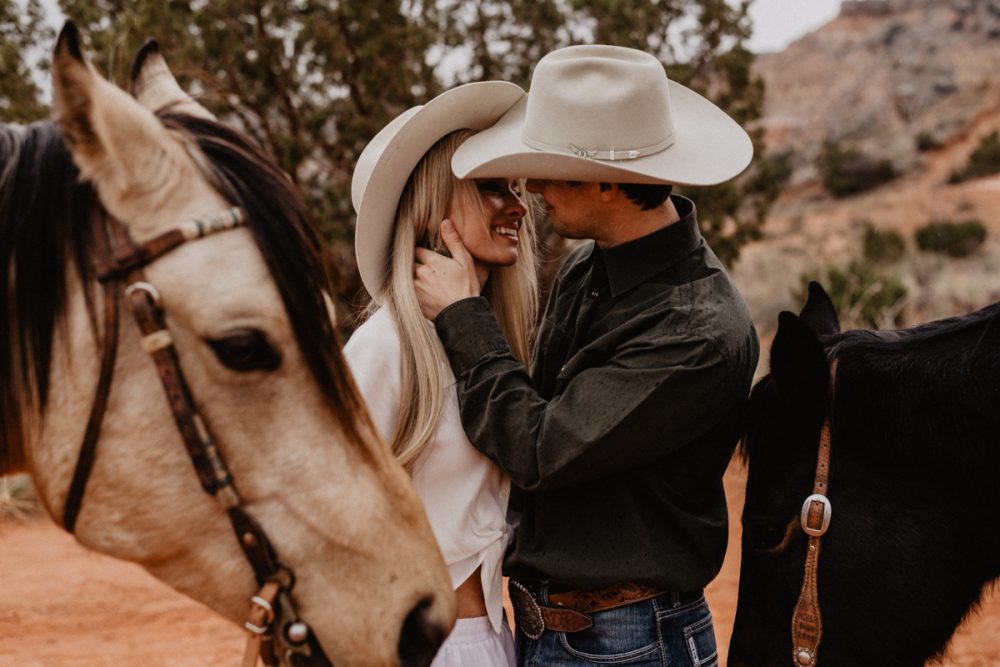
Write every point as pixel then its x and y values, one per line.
pixel 619 438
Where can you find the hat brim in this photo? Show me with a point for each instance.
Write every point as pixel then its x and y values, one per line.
pixel 709 148
pixel 399 146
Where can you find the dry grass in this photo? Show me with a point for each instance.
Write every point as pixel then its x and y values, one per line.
pixel 17 498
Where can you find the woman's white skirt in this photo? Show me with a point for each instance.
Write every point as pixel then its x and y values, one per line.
pixel 473 643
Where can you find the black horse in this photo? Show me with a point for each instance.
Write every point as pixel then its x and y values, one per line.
pixel 914 477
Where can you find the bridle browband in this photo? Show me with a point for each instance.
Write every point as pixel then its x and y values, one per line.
pixel 274 627
pixel 807 619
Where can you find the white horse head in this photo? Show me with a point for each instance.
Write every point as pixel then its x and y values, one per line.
pixel 251 326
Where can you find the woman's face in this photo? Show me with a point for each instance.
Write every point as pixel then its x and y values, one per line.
pixel 490 232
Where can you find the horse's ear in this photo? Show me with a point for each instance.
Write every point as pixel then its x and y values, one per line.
pixel 799 368
pixel 118 144
pixel 819 314
pixel 154 85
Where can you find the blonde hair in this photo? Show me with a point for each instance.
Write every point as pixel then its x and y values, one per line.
pixel 431 194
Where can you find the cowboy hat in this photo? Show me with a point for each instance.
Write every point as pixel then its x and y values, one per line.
pixel 386 163
pixel 608 113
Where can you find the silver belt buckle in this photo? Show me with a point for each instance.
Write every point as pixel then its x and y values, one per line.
pixel 527 613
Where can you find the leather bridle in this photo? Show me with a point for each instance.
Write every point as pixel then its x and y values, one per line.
pixel 807 619
pixel 275 629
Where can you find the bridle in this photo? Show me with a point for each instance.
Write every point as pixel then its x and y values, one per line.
pixel 807 619
pixel 275 630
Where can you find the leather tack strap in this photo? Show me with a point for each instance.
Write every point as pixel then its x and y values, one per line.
pixel 274 615
pixel 807 620
pixel 259 620
pixel 109 349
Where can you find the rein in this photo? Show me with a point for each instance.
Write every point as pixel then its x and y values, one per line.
pixel 274 626
pixel 807 619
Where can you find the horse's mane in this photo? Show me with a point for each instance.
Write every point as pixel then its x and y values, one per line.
pixel 45 226
pixel 945 359
pixel 905 339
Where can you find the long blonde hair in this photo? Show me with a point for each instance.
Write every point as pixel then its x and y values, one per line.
pixel 430 196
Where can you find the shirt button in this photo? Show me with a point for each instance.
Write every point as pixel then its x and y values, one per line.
pixel 593 294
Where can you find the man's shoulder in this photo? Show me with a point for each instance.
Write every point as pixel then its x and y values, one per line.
pixel 576 257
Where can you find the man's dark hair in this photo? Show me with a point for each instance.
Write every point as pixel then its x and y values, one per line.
pixel 645 195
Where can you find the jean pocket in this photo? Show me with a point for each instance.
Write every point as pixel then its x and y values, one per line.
pixel 618 637
pixel 699 637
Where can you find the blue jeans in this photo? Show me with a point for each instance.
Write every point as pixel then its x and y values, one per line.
pixel 662 632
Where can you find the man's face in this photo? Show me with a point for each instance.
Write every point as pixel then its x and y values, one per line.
pixel 573 206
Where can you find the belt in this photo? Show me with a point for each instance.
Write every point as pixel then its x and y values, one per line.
pixel 570 611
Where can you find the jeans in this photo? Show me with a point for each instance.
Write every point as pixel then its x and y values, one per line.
pixel 662 631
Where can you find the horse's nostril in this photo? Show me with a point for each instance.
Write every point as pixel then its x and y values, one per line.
pixel 421 636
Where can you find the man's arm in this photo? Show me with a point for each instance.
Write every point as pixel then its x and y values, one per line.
pixel 653 396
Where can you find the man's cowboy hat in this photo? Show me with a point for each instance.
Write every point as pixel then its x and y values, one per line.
pixel 607 113
pixel 387 161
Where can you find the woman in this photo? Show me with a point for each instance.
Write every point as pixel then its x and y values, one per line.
pixel 403 189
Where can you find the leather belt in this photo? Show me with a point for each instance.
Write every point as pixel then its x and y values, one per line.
pixel 570 611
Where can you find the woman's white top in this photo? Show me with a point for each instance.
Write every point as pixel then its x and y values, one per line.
pixel 464 493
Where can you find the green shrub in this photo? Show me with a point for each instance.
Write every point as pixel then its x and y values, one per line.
pixel 862 295
pixel 882 245
pixel 849 171
pixel 956 239
pixel 925 141
pixel 985 160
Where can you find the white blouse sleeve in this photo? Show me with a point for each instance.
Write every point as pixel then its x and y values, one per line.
pixel 373 355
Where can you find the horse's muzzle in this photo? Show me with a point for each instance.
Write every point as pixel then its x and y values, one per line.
pixel 421 636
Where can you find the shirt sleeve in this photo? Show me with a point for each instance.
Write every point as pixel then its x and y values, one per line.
pixel 653 396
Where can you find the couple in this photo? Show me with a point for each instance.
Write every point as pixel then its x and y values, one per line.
pixel 612 432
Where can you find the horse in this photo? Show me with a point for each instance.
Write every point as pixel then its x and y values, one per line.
pixel 328 529
pixel 900 543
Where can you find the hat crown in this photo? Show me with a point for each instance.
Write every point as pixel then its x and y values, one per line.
pixel 591 100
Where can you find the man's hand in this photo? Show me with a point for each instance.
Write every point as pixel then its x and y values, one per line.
pixel 441 281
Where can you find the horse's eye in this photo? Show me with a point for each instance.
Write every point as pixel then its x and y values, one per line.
pixel 245 351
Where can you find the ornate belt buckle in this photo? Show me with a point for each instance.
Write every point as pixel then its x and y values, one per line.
pixel 527 613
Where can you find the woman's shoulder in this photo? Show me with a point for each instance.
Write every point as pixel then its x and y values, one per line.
pixel 377 335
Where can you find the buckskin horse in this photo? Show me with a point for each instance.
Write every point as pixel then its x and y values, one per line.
pixel 224 356
pixel 903 538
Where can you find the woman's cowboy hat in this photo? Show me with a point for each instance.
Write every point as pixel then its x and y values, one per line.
pixel 607 113
pixel 388 160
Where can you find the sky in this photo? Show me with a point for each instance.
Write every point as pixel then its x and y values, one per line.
pixel 776 22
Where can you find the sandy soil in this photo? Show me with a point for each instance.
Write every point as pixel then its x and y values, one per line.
pixel 64 606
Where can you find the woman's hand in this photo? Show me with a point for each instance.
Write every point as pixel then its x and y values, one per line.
pixel 440 281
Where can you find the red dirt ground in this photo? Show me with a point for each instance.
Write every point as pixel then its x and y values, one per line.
pixel 63 606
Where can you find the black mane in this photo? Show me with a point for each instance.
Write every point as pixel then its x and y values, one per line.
pixel 45 229
pixel 907 339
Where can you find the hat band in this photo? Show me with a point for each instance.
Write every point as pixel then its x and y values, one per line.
pixel 613 154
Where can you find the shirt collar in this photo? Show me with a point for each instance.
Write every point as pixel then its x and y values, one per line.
pixel 636 261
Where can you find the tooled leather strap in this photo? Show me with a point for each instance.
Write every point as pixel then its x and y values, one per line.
pixel 807 619
pixel 285 632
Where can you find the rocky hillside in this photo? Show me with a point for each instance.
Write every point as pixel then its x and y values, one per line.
pixel 875 78
pixel 883 72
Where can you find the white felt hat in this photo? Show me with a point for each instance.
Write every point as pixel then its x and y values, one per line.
pixel 389 158
pixel 608 113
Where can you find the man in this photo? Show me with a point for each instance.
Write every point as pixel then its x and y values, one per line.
pixel 618 439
